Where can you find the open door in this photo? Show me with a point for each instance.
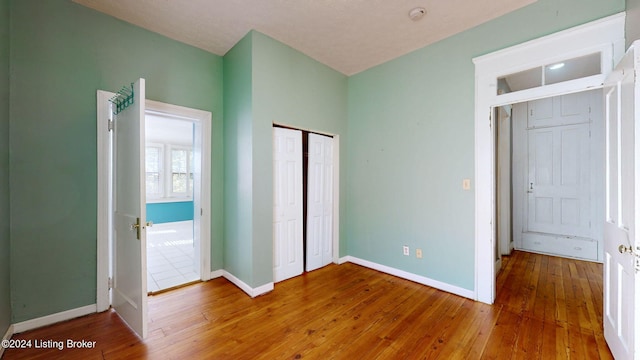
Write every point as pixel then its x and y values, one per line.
pixel 621 251
pixel 129 214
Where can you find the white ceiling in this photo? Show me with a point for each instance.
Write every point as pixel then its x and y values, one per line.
pixel 162 129
pixel 347 35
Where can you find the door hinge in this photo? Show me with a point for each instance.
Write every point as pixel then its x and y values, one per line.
pixel 110 283
pixel 201 212
pixel 110 125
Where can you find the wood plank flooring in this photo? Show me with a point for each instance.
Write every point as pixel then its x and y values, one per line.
pixel 546 308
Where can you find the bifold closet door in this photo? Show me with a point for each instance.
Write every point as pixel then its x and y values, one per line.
pixel 287 204
pixel 320 202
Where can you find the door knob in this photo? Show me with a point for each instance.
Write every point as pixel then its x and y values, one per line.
pixel 138 227
pixel 623 249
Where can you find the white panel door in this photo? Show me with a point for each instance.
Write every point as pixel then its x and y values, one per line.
pixel 287 204
pixel 559 181
pixel 621 250
pixel 129 244
pixel 320 202
pixel 558 200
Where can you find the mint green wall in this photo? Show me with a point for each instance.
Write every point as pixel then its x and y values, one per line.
pixel 5 296
pixel 266 82
pixel 633 21
pixel 411 143
pixel 238 172
pixel 292 89
pixel 61 53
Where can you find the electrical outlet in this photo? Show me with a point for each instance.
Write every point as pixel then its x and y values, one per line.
pixel 466 184
pixel 419 253
pixel 405 250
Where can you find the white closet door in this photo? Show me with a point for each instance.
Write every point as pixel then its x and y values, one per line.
pixel 320 202
pixel 287 202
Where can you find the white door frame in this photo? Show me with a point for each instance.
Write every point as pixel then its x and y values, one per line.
pixel 605 36
pixel 202 200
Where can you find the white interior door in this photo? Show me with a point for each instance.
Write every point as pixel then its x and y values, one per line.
pixel 129 214
pixel 320 202
pixel 287 204
pixel 558 181
pixel 621 250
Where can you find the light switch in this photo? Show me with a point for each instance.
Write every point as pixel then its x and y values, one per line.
pixel 466 184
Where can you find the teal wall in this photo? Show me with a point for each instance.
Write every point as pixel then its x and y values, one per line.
pixel 267 82
pixel 170 211
pixel 5 297
pixel 238 172
pixel 633 21
pixel 411 143
pixel 61 53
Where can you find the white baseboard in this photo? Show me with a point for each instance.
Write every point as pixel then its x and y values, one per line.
pixel 216 274
pixel 253 292
pixel 6 336
pixel 410 276
pixel 54 318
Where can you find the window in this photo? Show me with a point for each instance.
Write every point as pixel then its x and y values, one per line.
pixel 153 165
pixel 181 172
pixel 569 69
pixel 169 171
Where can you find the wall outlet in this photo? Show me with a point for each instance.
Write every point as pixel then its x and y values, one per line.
pixel 419 253
pixel 405 250
pixel 466 184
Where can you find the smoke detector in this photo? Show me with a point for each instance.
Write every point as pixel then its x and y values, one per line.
pixel 417 13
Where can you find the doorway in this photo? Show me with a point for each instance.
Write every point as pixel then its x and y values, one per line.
pixel 549 183
pixel 201 168
pixel 169 168
pixel 531 61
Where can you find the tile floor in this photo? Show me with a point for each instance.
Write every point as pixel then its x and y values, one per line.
pixel 170 255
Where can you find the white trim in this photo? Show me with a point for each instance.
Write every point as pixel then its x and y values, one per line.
pixel 336 198
pixel 606 34
pixel 53 318
pixel 103 229
pixel 7 336
pixel 216 274
pixel 410 276
pixel 103 152
pixel 344 259
pixel 253 292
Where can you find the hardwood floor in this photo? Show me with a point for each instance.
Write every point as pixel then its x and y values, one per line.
pixel 546 308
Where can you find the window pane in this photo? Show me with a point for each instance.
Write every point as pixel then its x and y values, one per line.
pixel 179 158
pixel 527 79
pixel 572 69
pixel 179 161
pixel 152 168
pixel 179 183
pixel 153 183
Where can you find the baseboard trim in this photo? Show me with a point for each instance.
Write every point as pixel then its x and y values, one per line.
pixel 412 277
pixel 53 318
pixel 216 274
pixel 253 292
pixel 6 336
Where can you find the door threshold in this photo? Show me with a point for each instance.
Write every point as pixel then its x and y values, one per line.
pixel 150 293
